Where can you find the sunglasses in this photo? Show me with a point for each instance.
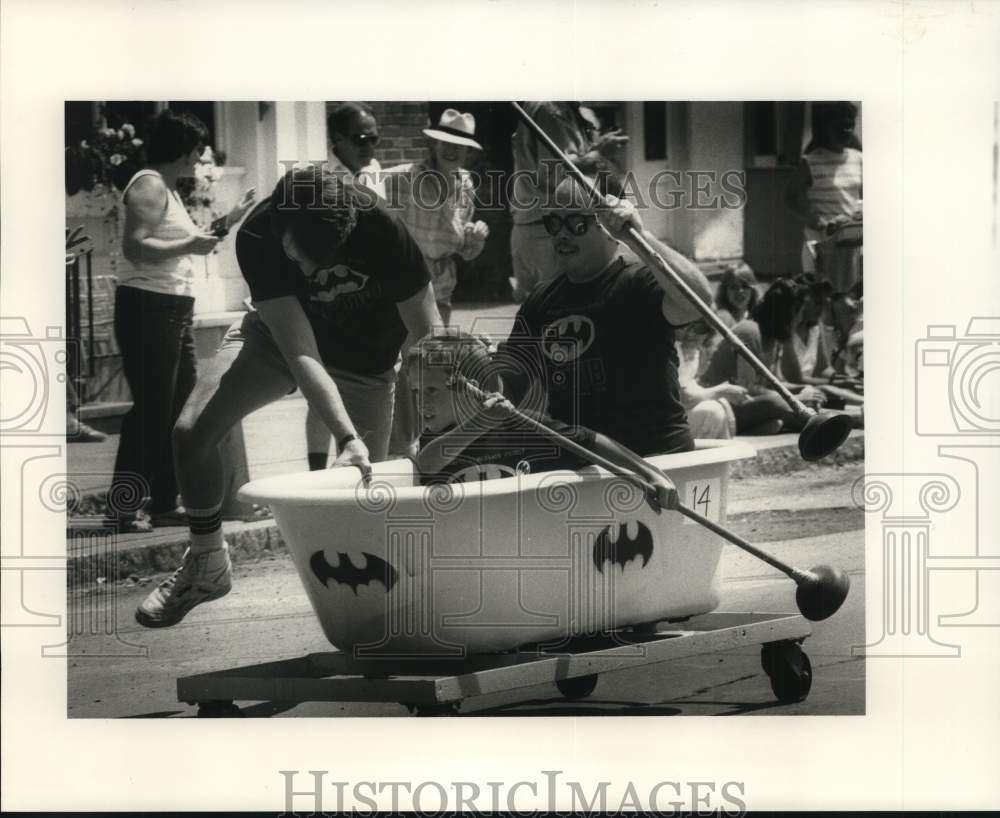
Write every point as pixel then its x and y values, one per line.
pixel 740 285
pixel 577 224
pixel 362 139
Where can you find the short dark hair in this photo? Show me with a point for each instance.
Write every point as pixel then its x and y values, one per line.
pixel 315 205
pixel 173 135
pixel 343 115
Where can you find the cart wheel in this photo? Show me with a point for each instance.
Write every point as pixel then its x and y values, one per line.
pixel 789 670
pixel 442 709
pixel 219 709
pixel 579 687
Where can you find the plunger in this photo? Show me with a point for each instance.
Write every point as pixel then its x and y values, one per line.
pixel 824 431
pixel 820 591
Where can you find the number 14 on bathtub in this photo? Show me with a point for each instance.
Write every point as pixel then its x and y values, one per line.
pixel 702 496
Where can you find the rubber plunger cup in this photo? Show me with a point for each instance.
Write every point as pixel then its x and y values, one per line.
pixel 823 434
pixel 821 591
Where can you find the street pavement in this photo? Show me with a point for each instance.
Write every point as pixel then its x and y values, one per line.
pixel 267 617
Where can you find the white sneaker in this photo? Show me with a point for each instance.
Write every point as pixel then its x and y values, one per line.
pixel 201 578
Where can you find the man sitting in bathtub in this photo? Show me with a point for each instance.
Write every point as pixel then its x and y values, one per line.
pixel 596 343
pixel 464 440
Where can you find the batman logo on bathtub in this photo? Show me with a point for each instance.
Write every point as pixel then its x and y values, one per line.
pixel 345 572
pixel 624 548
pixel 568 338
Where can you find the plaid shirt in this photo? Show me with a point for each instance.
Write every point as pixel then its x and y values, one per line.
pixel 438 227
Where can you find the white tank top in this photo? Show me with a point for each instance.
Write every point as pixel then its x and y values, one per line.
pixel 171 276
pixel 836 181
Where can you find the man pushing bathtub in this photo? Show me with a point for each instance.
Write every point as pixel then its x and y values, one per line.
pixel 335 288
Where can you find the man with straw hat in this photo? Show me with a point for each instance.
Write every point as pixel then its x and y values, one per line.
pixel 434 199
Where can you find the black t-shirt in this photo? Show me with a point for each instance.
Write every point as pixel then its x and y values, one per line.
pixel 498 452
pixel 350 303
pixel 605 353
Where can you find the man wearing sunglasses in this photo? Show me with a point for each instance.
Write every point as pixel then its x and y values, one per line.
pixel 597 342
pixel 353 134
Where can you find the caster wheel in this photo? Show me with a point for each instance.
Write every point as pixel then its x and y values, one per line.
pixel 219 710
pixel 789 670
pixel 426 710
pixel 579 687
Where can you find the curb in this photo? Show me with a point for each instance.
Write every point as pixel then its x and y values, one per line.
pixel 90 557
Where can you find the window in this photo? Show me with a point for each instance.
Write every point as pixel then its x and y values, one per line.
pixel 654 130
pixel 774 133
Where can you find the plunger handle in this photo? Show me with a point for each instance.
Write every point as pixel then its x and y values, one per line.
pixel 593 457
pixel 648 254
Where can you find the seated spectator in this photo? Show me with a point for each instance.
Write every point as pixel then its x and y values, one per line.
pixel 768 335
pixel 778 324
pixel 709 409
pixel 736 296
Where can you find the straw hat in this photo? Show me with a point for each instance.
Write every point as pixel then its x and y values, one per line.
pixel 455 127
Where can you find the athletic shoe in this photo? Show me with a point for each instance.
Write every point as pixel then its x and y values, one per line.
pixel 201 578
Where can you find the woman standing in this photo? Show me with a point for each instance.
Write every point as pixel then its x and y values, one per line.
pixel 154 311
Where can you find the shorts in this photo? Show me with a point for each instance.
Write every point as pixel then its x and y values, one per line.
pixel 368 399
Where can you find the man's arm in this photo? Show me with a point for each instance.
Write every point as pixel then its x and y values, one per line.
pixel 294 336
pixel 677 309
pixel 419 313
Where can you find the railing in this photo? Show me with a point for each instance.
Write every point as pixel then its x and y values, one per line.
pixel 93 332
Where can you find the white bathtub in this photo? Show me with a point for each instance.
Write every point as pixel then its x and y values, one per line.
pixel 402 570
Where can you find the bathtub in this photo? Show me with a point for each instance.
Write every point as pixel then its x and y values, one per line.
pixel 399 570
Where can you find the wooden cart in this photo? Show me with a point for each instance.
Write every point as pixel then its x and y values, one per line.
pixel 440 687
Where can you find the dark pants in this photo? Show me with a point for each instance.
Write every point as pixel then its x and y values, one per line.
pixel 155 336
pixel 768 405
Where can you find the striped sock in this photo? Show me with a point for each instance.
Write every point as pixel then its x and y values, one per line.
pixel 206 529
pixel 317 461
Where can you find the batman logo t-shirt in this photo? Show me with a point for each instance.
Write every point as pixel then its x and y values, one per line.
pixel 350 301
pixel 606 356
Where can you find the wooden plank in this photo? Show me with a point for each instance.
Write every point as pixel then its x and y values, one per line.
pixel 336 676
